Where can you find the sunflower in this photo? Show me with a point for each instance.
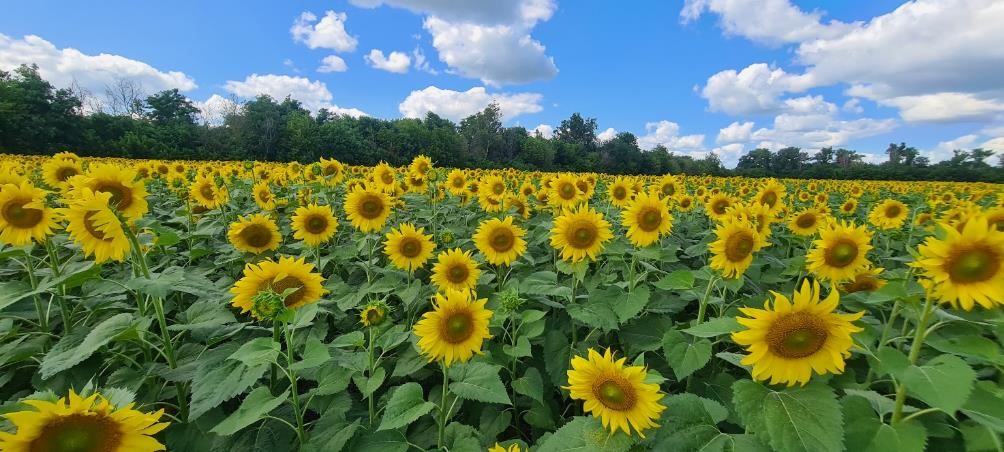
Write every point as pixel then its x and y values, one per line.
pixel 965 267
pixel 456 182
pixel 367 209
pixel 890 214
pixel 58 172
pixel 684 203
pixel 455 329
pixel 615 393
pixel 772 195
pixel 717 207
pixel 493 186
pixel 565 192
pixel 314 224
pixel 254 234
pixel 408 248
pixel 455 270
pixel 263 196
pixel 619 193
pixel 668 185
pixel 647 218
pixel 92 223
pixel 840 253
pixel 23 215
pixel 995 218
pixel 77 424
pixel 500 241
pixel 807 222
pixel 519 205
pixel 788 340
pixel 383 177
pixel 128 193
pixel 373 314
pixel 296 276
pixel 420 165
pixel 865 281
pixel 205 192
pixel 732 252
pixel 849 207
pixel 580 233
pixel 332 170
pixel 500 448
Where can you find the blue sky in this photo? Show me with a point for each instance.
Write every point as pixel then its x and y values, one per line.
pixel 698 76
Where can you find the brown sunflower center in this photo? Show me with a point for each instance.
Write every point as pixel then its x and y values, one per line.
pixel 65 173
pixel 256 235
pixel 861 284
pixel 806 220
pixel 457 182
pixel 848 207
pixel 373 316
pixel 669 189
pixel 329 170
pixel 15 213
pixel 457 274
pixel 316 224
pixel 649 220
pixel 973 264
pixel 739 246
pixel 371 207
pixel 93 228
pixel 842 253
pixel 620 193
pixel 615 393
pixel 207 192
pixel 498 188
pixel 567 191
pixel 719 206
pixel 78 433
pixel 410 247
pixel 458 327
pixel 121 195
pixel 502 240
pixel 387 177
pixel 264 195
pixel 289 282
pixel 769 198
pixel 893 211
pixel 582 234
pixel 685 203
pixel 796 335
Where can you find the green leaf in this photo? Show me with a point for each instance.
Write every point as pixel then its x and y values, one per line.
pixel 368 385
pixel 907 436
pixel 520 350
pixel 629 304
pixel 331 436
pixel 597 311
pixel 406 405
pixel 714 327
pixel 677 280
pixel 544 283
pixel 530 384
pixel 257 404
pixel 76 347
pixel 970 345
pixel 314 354
pixel 218 379
pixel 380 441
pixel 259 351
pixel 891 361
pixel 795 419
pixel 944 382
pixel 685 355
pixel 689 423
pixel 644 334
pixel 585 434
pixel 986 406
pixel 204 315
pixel 479 381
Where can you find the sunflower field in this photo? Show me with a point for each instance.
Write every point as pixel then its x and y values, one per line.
pixel 204 306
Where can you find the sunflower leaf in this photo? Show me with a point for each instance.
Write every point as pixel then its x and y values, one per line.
pixel 685 355
pixel 794 419
pixel 944 382
pixel 478 381
pixel 406 405
pixel 82 343
pixel 257 404
pixel 585 433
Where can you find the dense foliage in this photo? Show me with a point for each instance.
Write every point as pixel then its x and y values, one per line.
pixel 323 307
pixel 36 118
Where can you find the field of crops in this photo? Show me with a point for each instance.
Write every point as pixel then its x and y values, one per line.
pixel 196 306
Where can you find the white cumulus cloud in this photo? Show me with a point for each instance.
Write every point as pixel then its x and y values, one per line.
pixel 327 33
pixel 545 130
pixel 313 94
pixel 667 133
pixel 332 63
pixel 396 62
pixel 456 105
pixel 606 135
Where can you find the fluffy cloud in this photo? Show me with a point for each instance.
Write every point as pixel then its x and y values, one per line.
pixel 313 94
pixel 456 105
pixel 814 131
pixel 995 144
pixel 545 130
pixel 396 62
pixel 70 67
pixel 606 135
pixel 421 63
pixel 667 133
pixel 328 33
pixel 332 63
pixel 767 21
pixel 482 12
pixel 496 54
pixel 934 60
pixel 735 133
pixel 214 110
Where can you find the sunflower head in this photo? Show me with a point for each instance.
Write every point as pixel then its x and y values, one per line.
pixel 840 253
pixel 255 234
pixel 455 329
pixel 647 218
pixel 514 447
pixel 292 280
pixel 789 339
pixel 614 392
pixel 889 214
pixel 408 247
pixel 732 252
pixel 966 267
pixel 455 269
pixel 865 281
pixel 373 314
pixel 500 241
pixel 78 424
pixel 806 222
pixel 580 233
pixel 93 224
pixel 314 224
pixel 367 209
pixel 23 214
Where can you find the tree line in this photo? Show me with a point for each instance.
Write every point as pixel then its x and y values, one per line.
pixel 37 118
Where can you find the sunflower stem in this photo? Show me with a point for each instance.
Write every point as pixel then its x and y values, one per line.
pixel 918 343
pixel 54 263
pixel 43 321
pixel 442 406
pixel 317 255
pixel 883 337
pixel 369 374
pixel 294 393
